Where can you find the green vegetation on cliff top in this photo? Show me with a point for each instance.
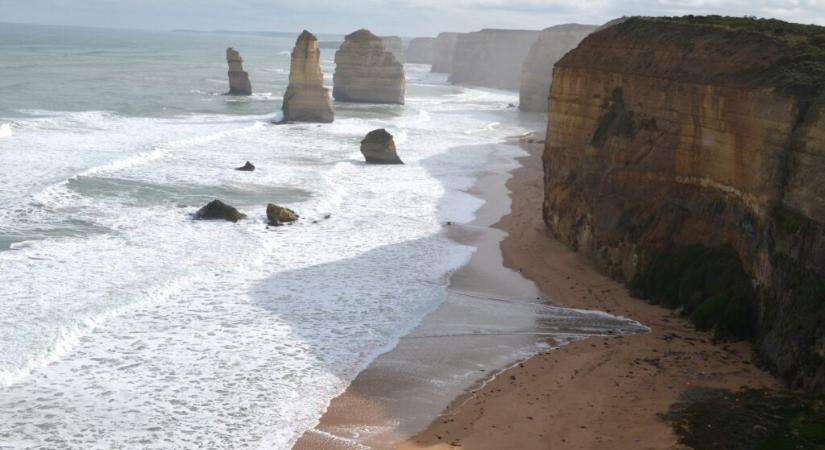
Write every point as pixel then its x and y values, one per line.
pixel 802 70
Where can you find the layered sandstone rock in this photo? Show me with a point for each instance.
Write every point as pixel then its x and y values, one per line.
pixel 238 79
pixel 537 70
pixel 394 45
pixel 365 72
pixel 306 99
pixel 491 58
pixel 666 134
pixel 420 51
pixel 278 215
pixel 443 52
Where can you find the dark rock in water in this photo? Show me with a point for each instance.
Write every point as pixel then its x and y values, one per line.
pixel 248 167
pixel 378 147
pixel 278 215
pixel 238 79
pixel 218 210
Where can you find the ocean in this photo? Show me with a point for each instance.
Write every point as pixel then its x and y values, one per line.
pixel 126 324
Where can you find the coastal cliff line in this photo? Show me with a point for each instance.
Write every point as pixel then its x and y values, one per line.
pixel 685 156
pixel 491 58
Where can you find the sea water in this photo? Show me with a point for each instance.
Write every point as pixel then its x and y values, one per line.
pixel 126 324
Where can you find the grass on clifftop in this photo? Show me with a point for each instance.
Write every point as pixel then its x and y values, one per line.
pixel 801 74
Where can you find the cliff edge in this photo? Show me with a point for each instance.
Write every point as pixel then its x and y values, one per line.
pixel 686 156
pixel 491 58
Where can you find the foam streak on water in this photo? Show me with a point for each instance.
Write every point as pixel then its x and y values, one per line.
pixel 126 324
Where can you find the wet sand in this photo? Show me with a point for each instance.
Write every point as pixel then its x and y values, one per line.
pixel 492 319
pixel 598 393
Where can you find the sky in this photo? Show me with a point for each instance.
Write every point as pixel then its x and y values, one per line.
pixel 400 17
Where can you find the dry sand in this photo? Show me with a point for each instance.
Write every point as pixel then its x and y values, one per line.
pixel 599 393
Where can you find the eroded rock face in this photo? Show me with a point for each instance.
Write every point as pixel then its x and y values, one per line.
pixel 421 50
pixel 537 71
pixel 491 58
pixel 218 210
pixel 238 79
pixel 279 215
pixel 306 99
pixel 666 134
pixel 365 72
pixel 378 147
pixel 443 52
pixel 395 45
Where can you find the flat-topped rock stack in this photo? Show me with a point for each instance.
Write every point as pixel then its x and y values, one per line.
pixel 420 51
pixel 537 71
pixel 443 52
pixel 238 79
pixel 395 45
pixel 365 72
pixel 306 99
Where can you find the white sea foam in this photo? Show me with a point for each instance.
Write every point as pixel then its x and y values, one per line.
pixel 5 130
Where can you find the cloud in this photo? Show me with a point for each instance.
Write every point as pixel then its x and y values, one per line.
pixel 406 17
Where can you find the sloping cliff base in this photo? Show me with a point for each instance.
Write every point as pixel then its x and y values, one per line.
pixel 598 393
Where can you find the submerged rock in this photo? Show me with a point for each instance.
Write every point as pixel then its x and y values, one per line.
pixel 238 79
pixel 278 215
pixel 306 99
pixel 365 72
pixel 218 210
pixel 248 167
pixel 378 147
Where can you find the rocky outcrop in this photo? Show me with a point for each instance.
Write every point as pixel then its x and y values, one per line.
pixel 537 71
pixel 238 79
pixel 218 210
pixel 671 135
pixel 378 147
pixel 279 215
pixel 365 72
pixel 395 45
pixel 491 58
pixel 420 51
pixel 306 99
pixel 443 52
pixel 248 167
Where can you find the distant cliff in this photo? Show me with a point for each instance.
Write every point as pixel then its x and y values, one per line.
pixel 443 51
pixel 394 45
pixel 491 58
pixel 420 51
pixel 686 155
pixel 537 71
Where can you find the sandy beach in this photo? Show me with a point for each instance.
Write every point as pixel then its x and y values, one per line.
pixel 598 393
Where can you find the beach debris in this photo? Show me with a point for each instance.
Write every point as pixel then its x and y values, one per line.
pixel 279 215
pixel 378 147
pixel 248 167
pixel 218 210
pixel 238 79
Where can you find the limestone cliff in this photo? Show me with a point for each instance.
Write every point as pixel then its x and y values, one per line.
pixel 537 71
pixel 420 51
pixel 701 131
pixel 238 79
pixel 306 99
pixel 365 72
pixel 443 52
pixel 491 58
pixel 394 45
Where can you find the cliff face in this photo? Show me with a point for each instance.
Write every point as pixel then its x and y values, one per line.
pixel 491 58
pixel 394 45
pixel 443 51
pixel 670 133
pixel 537 71
pixel 420 51
pixel 306 99
pixel 238 79
pixel 366 72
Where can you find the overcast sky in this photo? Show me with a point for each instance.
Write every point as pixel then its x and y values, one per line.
pixel 404 17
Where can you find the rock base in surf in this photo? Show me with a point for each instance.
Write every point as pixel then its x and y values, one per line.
pixel 278 215
pixel 218 210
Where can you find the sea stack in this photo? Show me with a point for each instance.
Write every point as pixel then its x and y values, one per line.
pixel 365 72
pixel 378 147
pixel 443 52
pixel 537 71
pixel 306 99
pixel 238 79
pixel 420 51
